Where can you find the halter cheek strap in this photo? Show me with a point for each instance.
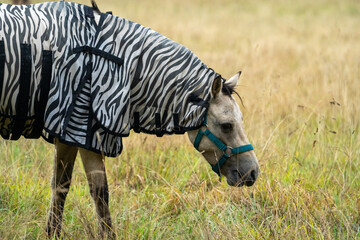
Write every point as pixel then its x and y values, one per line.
pixel 228 151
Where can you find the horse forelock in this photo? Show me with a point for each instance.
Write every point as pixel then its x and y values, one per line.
pixel 229 90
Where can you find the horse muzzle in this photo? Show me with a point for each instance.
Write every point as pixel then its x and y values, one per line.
pixel 243 170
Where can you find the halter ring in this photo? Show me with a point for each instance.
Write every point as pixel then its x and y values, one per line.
pixel 228 151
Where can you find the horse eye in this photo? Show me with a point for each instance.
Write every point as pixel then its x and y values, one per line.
pixel 226 127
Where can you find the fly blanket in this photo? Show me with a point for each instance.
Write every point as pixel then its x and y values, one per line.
pixel 88 83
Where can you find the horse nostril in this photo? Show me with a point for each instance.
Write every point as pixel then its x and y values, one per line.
pixel 251 178
pixel 253 175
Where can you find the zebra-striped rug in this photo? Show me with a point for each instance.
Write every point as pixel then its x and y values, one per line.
pixel 64 75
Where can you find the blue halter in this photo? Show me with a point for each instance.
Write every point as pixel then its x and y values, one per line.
pixel 228 151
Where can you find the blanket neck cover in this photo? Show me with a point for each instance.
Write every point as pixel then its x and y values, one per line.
pixel 63 75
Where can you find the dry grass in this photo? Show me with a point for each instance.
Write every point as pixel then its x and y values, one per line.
pixel 301 72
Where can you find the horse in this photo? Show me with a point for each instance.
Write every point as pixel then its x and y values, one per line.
pixel 84 92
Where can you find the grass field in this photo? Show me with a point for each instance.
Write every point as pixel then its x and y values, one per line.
pixel 301 91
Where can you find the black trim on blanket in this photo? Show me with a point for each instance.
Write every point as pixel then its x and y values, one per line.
pixel 53 135
pixel 2 65
pixel 46 73
pixel 98 52
pixel 163 132
pixel 60 138
pixel 47 137
pixel 153 132
pixel 22 101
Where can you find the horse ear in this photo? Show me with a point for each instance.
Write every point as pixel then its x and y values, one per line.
pixel 216 86
pixel 232 82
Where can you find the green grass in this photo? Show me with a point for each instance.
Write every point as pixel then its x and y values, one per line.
pixel 300 85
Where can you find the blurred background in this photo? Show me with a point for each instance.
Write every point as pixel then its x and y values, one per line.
pixel 300 82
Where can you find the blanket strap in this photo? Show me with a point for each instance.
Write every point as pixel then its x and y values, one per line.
pixel 46 71
pixel 22 101
pixel 2 66
pixel 136 125
pixel 177 128
pixel 158 130
pixel 101 53
pixel 198 101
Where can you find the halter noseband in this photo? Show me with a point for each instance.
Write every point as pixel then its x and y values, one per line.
pixel 228 151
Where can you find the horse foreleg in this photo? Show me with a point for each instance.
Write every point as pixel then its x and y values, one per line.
pixel 63 166
pixel 95 172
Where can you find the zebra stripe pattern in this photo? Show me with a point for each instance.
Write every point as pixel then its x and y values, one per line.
pixel 104 79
